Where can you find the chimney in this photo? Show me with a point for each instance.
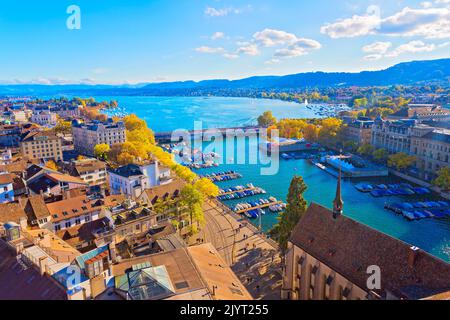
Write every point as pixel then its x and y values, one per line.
pixel 412 256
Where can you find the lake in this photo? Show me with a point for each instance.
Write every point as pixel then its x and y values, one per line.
pixel 169 113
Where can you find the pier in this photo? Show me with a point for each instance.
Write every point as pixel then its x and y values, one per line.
pixel 261 206
pixel 238 191
pixel 220 177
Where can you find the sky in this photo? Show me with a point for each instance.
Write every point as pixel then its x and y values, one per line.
pixel 136 41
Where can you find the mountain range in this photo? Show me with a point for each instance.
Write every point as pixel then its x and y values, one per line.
pixel 407 73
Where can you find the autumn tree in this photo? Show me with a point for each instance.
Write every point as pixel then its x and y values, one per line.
pixel 311 132
pixel 192 199
pixel 443 179
pixel 401 161
pixel 267 119
pixel 296 208
pixel 366 149
pixel 63 127
pixel 101 151
pixel 50 164
pixel 329 131
pixel 380 155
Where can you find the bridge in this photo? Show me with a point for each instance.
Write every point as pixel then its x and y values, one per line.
pixel 166 137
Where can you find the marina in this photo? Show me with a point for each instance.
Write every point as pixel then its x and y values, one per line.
pixel 383 190
pixel 421 210
pixel 242 208
pixel 222 176
pixel 239 192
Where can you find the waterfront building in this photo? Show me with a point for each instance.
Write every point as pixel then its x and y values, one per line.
pixel 393 136
pixel 6 188
pixel 44 145
pixel 332 257
pixel 431 147
pixel 87 135
pixel 44 118
pixel 421 112
pixel 359 131
pixel 133 180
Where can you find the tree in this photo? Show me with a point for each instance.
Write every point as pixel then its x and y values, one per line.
pixel 101 151
pixel 267 119
pixel 380 155
pixel 192 199
pixel 329 131
pixel 401 161
pixel 443 179
pixel 207 188
pixel 296 208
pixel 63 127
pixel 350 145
pixel 311 132
pixel 366 149
pixel 50 164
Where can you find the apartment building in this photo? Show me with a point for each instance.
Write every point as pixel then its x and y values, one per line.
pixel 87 136
pixel 74 211
pixel 394 136
pixel 359 131
pixel 44 118
pixel 134 179
pixel 44 145
pixel 91 171
pixel 421 112
pixel 431 147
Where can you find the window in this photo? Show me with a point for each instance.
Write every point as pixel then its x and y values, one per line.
pixel 87 218
pixel 57 227
pixel 68 224
pixel 77 221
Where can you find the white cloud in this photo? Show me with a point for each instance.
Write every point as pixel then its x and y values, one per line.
pixel 206 49
pixel 411 47
pixel 373 57
pixel 230 56
pixel 428 22
pixel 377 47
pixel 222 12
pixel 250 49
pixel 351 27
pixel 218 35
pixel 271 37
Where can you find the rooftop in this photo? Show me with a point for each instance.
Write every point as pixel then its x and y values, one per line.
pixel 73 207
pixel 349 248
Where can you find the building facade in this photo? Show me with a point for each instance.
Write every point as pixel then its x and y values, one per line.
pixel 91 171
pixel 6 188
pixel 359 131
pixel 393 136
pixel 87 136
pixel 44 118
pixel 42 146
pixel 432 151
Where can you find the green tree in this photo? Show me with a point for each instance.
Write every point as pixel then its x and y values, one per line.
pixel 366 149
pixel 296 208
pixel 267 119
pixel 101 151
pixel 401 161
pixel 380 155
pixel 443 179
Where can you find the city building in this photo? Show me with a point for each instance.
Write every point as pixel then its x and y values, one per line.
pixel 6 188
pixel 133 179
pixel 52 183
pixel 74 211
pixel 431 147
pixel 5 157
pixel 332 257
pixel 42 145
pixel 87 136
pixel 193 273
pixel 421 112
pixel 359 131
pixel 44 118
pixel 91 171
pixel 10 135
pixel 393 136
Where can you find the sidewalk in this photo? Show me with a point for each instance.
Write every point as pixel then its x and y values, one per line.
pixel 254 259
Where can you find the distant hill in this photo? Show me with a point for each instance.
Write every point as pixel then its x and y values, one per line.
pixel 406 73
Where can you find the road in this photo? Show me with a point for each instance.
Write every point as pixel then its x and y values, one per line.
pixel 253 258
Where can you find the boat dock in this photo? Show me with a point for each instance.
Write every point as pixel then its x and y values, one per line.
pixel 261 206
pixel 238 191
pixel 222 176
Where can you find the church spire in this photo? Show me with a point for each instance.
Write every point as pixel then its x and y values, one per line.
pixel 338 204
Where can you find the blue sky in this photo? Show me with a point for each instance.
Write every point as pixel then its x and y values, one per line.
pixel 166 40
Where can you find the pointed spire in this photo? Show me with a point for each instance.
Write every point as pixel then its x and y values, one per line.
pixel 338 204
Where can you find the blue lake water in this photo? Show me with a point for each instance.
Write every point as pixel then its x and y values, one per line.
pixel 169 113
